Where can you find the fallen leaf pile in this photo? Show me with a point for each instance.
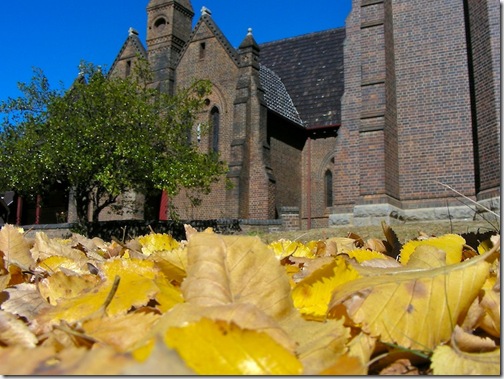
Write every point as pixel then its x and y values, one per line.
pixel 218 304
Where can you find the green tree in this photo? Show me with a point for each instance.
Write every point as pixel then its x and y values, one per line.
pixel 102 137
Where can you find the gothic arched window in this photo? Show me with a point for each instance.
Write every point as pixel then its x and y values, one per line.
pixel 328 186
pixel 214 128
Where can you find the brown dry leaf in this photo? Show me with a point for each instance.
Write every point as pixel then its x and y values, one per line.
pixel 400 367
pixel 122 332
pixel 14 332
pixel 319 344
pixel 14 360
pixel 96 246
pixel 395 245
pixel 101 360
pixel 375 244
pixel 470 343
pixel 491 304
pixel 473 316
pixel 15 247
pixel 415 309
pixel 307 266
pixel 338 245
pixel 362 347
pixel 235 269
pixel 161 361
pixel 4 281
pixel 64 337
pixel 25 300
pixel 452 361
pixel 346 365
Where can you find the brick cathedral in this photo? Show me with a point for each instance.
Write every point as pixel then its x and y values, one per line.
pixel 350 125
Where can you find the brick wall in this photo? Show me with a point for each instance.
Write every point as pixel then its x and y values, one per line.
pixel 433 99
pixel 286 143
pixel 484 27
pixel 346 157
pixel 321 160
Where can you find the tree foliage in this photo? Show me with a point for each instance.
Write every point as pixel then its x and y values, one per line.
pixel 103 136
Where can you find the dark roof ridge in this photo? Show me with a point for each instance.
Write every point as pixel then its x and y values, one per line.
pixel 310 34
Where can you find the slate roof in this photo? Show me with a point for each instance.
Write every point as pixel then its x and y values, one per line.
pixel 311 68
pixel 276 96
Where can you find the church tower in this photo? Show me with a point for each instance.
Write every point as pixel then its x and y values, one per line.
pixel 169 24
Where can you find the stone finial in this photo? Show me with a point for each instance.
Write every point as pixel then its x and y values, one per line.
pixel 249 31
pixel 205 11
pixel 132 31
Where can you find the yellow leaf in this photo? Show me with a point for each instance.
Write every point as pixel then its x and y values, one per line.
pixel 173 263
pixel 448 361
pixel 235 269
pixel 136 287
pixel 60 286
pixel 451 244
pixel 57 263
pixel 415 309
pixel 312 295
pixel 245 316
pixel 15 247
pixel 284 248
pixel 219 348
pixel 157 242
pixel 168 295
pixel 361 255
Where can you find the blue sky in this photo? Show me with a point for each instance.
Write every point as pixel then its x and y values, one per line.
pixel 55 35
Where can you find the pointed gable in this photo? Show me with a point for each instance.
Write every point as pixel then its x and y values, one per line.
pixel 206 28
pixel 129 50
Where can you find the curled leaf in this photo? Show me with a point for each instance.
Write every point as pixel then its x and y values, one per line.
pixel 449 361
pixel 415 309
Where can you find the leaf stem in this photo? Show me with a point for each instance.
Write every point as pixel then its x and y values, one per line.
pixel 112 292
